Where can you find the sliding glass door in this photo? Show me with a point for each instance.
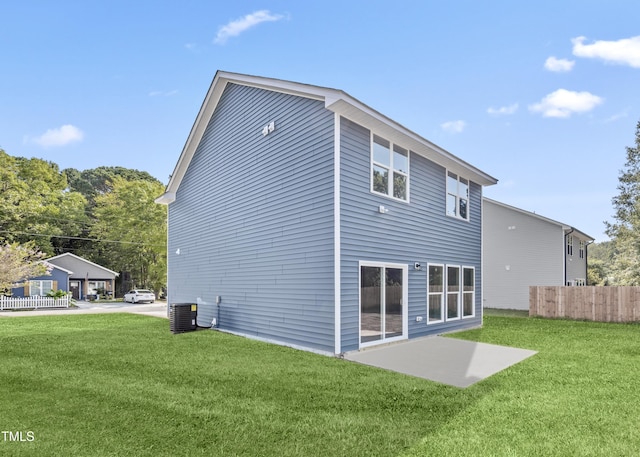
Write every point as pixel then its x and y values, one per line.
pixel 382 302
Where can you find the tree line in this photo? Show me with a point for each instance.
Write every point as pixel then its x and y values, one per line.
pixel 106 215
pixel 617 262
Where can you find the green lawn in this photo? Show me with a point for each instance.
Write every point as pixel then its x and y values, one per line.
pixel 123 385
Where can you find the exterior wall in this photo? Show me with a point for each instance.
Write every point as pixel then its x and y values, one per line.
pixel 252 222
pixel 576 266
pixel 520 250
pixel 418 231
pixel 59 276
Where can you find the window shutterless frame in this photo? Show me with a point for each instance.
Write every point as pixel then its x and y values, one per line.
pixel 457 199
pixel 435 293
pixel 389 169
pixel 453 283
pixel 468 292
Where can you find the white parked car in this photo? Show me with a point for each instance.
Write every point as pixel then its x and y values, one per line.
pixel 139 296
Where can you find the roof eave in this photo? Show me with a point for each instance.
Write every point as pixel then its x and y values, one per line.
pixel 334 100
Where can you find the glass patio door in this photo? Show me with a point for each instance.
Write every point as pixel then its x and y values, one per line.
pixel 382 307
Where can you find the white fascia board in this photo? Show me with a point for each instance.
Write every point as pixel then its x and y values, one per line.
pixel 82 259
pixel 360 113
pixel 64 270
pixel 166 198
pixel 336 101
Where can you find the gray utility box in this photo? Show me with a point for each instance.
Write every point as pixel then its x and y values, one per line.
pixel 182 317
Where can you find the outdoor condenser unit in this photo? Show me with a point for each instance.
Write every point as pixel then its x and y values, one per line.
pixel 182 317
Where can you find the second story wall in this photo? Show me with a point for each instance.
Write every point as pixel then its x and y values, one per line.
pixel 417 230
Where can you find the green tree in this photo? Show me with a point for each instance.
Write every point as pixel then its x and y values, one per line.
pixel 90 184
pixel 129 215
pixel 625 231
pixel 36 204
pixel 600 261
pixel 18 263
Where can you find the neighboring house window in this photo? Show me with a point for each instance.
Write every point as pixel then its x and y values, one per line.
pixel 582 245
pixel 389 169
pixel 95 286
pixel 435 293
pixel 457 196
pixel 40 288
pixel 570 245
pixel 468 291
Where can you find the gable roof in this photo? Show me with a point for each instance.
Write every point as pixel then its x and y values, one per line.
pixel 58 267
pixel 565 227
pixel 334 100
pixel 69 257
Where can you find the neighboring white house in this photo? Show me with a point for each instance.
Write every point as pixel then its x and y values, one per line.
pixel 522 249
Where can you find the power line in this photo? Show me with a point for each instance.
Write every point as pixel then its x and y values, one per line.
pixel 81 238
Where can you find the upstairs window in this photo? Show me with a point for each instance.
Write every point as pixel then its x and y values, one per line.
pixel 582 246
pixel 389 169
pixel 457 196
pixel 570 245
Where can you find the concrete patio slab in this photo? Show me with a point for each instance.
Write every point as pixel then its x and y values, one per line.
pixel 446 360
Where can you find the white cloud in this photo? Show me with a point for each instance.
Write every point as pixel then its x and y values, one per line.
pixel 617 116
pixel 235 28
pixel 625 51
pixel 564 103
pixel 503 110
pixel 558 65
pixel 60 136
pixel 453 126
pixel 162 93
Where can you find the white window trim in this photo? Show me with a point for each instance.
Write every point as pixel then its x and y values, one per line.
pixel 473 293
pixel 405 301
pixel 39 287
pixel 457 195
pixel 570 245
pixel 391 169
pixel 445 293
pixel 442 294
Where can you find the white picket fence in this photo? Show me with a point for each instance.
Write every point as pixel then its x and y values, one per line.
pixel 33 302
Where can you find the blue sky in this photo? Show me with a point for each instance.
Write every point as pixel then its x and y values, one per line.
pixel 542 95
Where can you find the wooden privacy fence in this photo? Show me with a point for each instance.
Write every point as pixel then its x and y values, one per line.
pixel 33 302
pixel 594 303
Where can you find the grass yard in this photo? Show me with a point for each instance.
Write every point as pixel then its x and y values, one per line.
pixel 123 385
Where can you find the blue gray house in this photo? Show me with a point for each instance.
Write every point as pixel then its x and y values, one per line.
pixel 40 286
pixel 71 273
pixel 299 215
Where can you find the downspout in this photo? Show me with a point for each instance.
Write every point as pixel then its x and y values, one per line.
pixel 566 253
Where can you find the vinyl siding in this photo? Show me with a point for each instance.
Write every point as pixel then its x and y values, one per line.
pixel 59 277
pixel 520 250
pixel 253 219
pixel 418 231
